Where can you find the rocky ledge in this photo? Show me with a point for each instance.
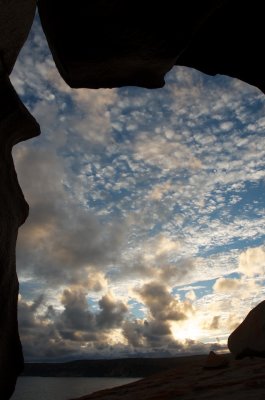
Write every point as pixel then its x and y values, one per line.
pixel 236 379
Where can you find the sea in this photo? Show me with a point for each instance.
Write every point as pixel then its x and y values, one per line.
pixel 32 388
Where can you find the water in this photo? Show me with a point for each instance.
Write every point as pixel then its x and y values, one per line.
pixel 32 388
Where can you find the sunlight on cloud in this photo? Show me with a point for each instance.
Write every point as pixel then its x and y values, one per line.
pixel 146 223
pixel 186 330
pixel 252 261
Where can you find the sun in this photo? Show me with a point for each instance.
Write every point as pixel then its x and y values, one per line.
pixel 188 329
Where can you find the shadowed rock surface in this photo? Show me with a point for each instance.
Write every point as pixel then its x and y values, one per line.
pixel 231 43
pixel 243 380
pixel 16 18
pixel 248 339
pixel 112 43
pixel 215 361
pixel 16 125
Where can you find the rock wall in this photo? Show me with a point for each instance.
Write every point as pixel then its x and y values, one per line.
pixel 16 125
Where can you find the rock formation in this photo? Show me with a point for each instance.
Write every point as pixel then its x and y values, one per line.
pixel 215 361
pixel 16 125
pixel 16 18
pixel 111 43
pixel 248 339
pixel 114 43
pixel 108 43
pixel 230 43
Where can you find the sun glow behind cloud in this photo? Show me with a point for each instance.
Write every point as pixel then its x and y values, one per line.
pixel 186 330
pixel 146 212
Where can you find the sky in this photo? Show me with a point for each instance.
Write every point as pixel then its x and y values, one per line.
pixel 146 228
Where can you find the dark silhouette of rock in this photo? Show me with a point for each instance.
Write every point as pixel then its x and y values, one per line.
pixel 111 43
pixel 16 125
pixel 243 380
pixel 248 339
pixel 230 43
pixel 216 361
pixel 16 18
pixel 115 43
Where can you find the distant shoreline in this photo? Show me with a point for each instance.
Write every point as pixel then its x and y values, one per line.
pixel 121 367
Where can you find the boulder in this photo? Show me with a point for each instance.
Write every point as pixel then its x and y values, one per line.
pixel 248 339
pixel 215 361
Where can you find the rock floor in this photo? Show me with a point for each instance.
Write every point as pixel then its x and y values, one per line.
pixel 241 380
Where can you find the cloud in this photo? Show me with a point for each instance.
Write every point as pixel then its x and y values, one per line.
pixel 162 305
pixel 76 316
pixel 112 312
pixel 160 152
pixel 130 188
pixel 252 261
pixel 26 312
pixel 46 332
pixel 227 285
pixel 61 242
pixel 215 322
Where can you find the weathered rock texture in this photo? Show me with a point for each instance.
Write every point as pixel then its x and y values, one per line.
pixel 248 339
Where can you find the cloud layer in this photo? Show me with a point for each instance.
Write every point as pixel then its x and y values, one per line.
pixel 146 226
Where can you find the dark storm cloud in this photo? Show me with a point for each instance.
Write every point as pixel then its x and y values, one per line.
pixel 147 334
pixel 46 332
pixel 76 316
pixel 155 338
pixel 112 312
pixel 26 312
pixel 163 306
pixel 77 332
pixel 162 309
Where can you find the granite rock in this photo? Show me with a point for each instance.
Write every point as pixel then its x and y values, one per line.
pixel 248 339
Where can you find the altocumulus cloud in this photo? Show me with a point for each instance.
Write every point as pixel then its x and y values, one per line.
pixel 146 227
